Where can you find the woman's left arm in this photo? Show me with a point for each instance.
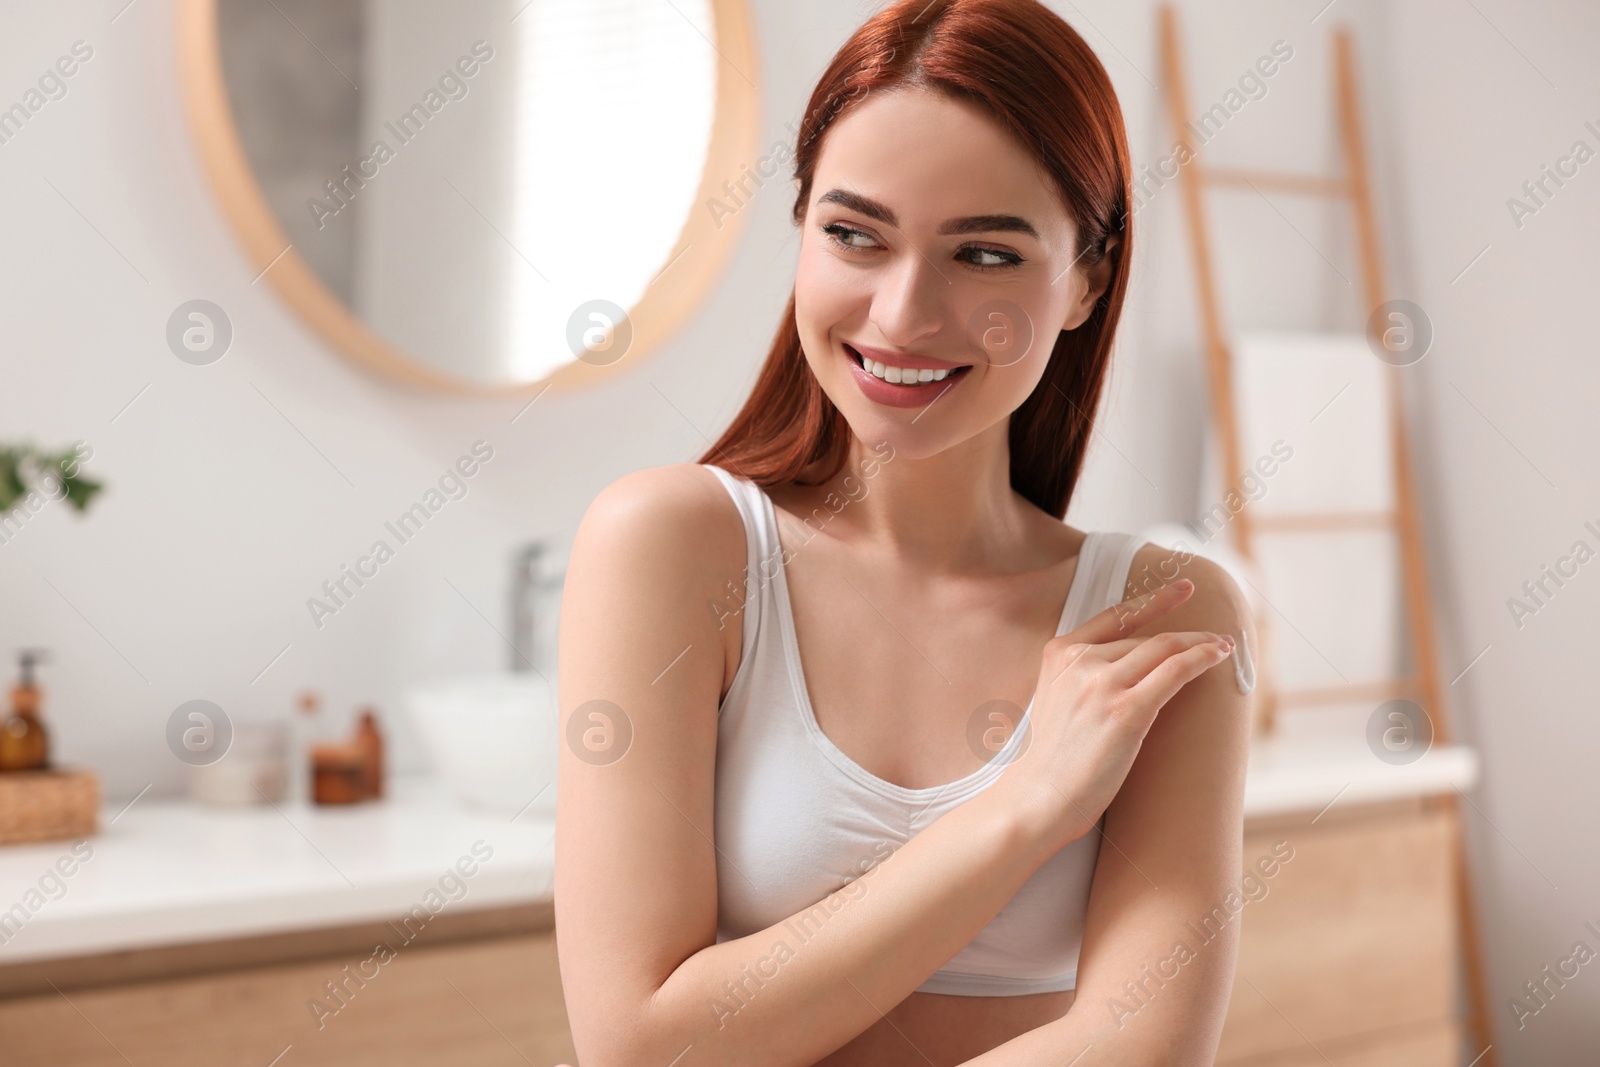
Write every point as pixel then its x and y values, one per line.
pixel 1151 992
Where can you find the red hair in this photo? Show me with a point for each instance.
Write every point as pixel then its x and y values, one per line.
pixel 1035 75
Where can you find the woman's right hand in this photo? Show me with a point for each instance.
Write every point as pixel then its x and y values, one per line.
pixel 1098 695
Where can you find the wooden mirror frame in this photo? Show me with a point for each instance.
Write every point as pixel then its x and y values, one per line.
pixel 669 299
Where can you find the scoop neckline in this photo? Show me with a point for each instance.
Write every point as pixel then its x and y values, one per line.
pixel 958 788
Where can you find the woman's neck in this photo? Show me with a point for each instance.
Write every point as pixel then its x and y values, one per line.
pixel 954 512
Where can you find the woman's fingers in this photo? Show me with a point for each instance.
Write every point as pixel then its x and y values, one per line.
pixel 1120 620
pixel 1129 660
pixel 1177 671
pixel 1150 652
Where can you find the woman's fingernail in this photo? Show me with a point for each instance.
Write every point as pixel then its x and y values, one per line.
pixel 1184 584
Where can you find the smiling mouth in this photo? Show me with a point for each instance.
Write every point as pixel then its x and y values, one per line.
pixel 905 377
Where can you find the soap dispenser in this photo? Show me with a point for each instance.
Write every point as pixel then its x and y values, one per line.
pixel 24 742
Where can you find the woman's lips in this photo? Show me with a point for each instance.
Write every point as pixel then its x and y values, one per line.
pixel 899 395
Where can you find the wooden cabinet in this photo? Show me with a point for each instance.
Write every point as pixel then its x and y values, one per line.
pixel 1351 955
pixel 1435 1045
pixel 485 998
pixel 1348 959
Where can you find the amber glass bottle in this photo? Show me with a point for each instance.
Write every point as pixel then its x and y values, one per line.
pixel 370 741
pixel 24 742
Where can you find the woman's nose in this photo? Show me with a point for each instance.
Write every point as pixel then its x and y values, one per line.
pixel 910 302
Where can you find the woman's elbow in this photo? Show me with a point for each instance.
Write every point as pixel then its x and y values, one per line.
pixel 640 1033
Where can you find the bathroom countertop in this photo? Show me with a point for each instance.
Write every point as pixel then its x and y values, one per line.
pixel 170 871
pixel 1290 774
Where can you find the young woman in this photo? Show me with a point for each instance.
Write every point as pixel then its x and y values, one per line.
pixel 870 759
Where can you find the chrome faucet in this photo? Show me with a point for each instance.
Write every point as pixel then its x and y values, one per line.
pixel 527 585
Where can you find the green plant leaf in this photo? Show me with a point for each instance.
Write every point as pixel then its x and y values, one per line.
pixel 23 468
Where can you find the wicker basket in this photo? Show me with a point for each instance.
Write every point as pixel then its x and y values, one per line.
pixel 48 805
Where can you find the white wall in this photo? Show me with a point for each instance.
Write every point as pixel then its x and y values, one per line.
pixel 236 489
pixel 1508 401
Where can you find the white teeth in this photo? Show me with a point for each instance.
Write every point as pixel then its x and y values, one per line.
pixel 903 375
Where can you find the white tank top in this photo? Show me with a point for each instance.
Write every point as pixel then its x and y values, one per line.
pixel 797 819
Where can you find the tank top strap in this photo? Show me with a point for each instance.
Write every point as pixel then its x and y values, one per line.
pixel 1103 565
pixel 761 553
pixel 1111 566
pixel 1119 548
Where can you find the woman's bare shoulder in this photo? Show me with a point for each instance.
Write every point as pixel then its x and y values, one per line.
pixel 669 531
pixel 662 494
pixel 676 507
pixel 1217 604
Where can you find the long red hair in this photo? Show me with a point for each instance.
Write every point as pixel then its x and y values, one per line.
pixel 1040 80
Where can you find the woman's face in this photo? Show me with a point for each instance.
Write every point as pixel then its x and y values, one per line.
pixel 933 241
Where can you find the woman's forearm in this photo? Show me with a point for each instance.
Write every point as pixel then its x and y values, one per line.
pixel 1088 1036
pixel 799 989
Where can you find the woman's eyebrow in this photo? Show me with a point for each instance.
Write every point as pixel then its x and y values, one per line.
pixel 969 224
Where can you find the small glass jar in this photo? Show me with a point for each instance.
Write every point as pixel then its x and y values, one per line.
pixel 338 774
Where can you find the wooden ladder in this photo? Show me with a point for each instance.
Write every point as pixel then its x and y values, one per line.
pixel 1354 188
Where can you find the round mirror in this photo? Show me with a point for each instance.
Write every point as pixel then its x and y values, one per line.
pixel 480 195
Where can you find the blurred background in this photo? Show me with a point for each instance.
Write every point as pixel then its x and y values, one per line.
pixel 242 347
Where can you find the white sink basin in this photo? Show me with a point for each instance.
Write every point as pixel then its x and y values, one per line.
pixel 492 736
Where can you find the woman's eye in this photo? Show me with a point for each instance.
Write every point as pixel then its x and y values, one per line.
pixel 849 237
pixel 989 257
pixel 844 236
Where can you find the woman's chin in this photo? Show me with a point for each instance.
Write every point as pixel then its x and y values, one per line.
pixel 894 430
